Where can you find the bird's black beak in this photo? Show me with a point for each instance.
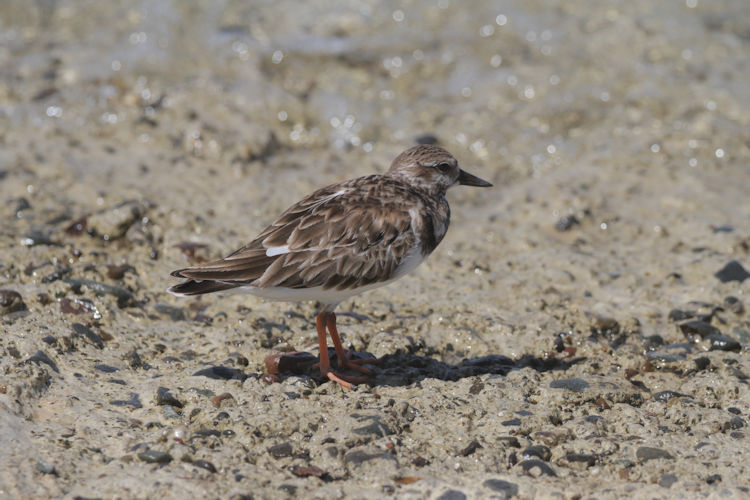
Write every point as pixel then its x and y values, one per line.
pixel 466 179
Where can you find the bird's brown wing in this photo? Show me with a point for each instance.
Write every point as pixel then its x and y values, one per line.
pixel 335 240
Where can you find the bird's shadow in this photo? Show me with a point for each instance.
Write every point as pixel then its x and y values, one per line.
pixel 394 370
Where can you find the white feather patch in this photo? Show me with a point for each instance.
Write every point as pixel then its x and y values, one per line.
pixel 274 251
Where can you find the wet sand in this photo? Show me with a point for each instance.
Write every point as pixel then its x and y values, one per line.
pixel 581 331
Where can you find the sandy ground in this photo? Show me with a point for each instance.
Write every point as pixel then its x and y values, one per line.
pixel 581 332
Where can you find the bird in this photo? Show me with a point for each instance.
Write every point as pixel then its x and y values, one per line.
pixel 343 240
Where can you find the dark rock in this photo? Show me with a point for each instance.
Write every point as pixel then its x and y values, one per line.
pixel 105 368
pixel 49 340
pixel 723 343
pixel 513 422
pixel 133 359
pixel 359 456
pixel 297 363
pixel 205 464
pixel 45 467
pixel 665 396
pixel 537 468
pixel 10 302
pixel 734 304
pixel 470 448
pixel 652 342
pixel 713 478
pixel 667 480
pixel 307 471
pixel 207 433
pixel 280 450
pixel 221 373
pixel 702 363
pixel 134 401
pixel 125 298
pixel 476 387
pixel 734 424
pixel 452 495
pixel 155 457
pixel 505 488
pixel 733 271
pixel 679 315
pixel 36 238
pixel 165 397
pixel 584 459
pixel 665 357
pixel 88 334
pixel 646 453
pixel 374 429
pixel 571 384
pixel 537 451
pixel 174 313
pixel 58 274
pixel 566 223
pixel 40 357
pixel 698 328
pixel 509 441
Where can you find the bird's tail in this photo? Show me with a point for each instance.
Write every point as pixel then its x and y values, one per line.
pixel 192 287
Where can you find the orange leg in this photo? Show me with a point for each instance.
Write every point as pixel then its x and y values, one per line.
pixel 343 356
pixel 325 363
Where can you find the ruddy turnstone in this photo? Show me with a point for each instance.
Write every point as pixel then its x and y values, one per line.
pixel 343 240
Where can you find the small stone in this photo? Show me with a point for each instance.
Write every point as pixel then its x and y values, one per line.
pixel 537 468
pixel 359 456
pixel 133 359
pixel 566 223
pixel 307 471
pixel 45 467
pixel 221 373
pixel 105 368
pixel 297 363
pixel 665 396
pixel 713 478
pixel 174 313
pixel 87 333
pixel 646 453
pixel 10 302
pixel 679 315
pixel 506 488
pixel 571 384
pixel 734 304
pixel 452 495
pixel 652 342
pixel 134 401
pixel 584 460
pixel 665 357
pixel 734 423
pixel 694 328
pixel 280 450
pixel 723 343
pixel 219 400
pixel 537 451
pixel 165 397
pixel 205 464
pixel 470 449
pixel 667 480
pixel 155 457
pixel 113 222
pixel 733 271
pixel 509 441
pixel 40 357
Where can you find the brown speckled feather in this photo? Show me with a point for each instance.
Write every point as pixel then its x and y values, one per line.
pixel 348 235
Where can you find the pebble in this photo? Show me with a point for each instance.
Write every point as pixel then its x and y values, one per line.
pixel 665 396
pixel 732 271
pixel 651 342
pixel 571 384
pixel 734 424
pixel 40 357
pixel 45 467
pixel 58 274
pixel 665 357
pixel 361 455
pixel 679 315
pixel 452 495
pixel 509 441
pixel 205 464
pixel 722 343
pixel 646 453
pixel 280 450
pixel 105 368
pixel 667 480
pixel 10 302
pixel 506 488
pixel 471 448
pixel 87 333
pixel 174 313
pixel 36 238
pixel 155 457
pixel 221 373
pixel 537 468
pixel 734 304
pixel 125 298
pixel 165 397
pixel 307 471
pixel 298 363
pixel 566 223
pixel 537 451
pixel 579 460
pixel 697 328
pixel 134 401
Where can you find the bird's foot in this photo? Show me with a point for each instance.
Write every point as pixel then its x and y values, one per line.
pixel 343 380
pixel 355 363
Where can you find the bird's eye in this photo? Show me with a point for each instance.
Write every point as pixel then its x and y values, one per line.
pixel 444 167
